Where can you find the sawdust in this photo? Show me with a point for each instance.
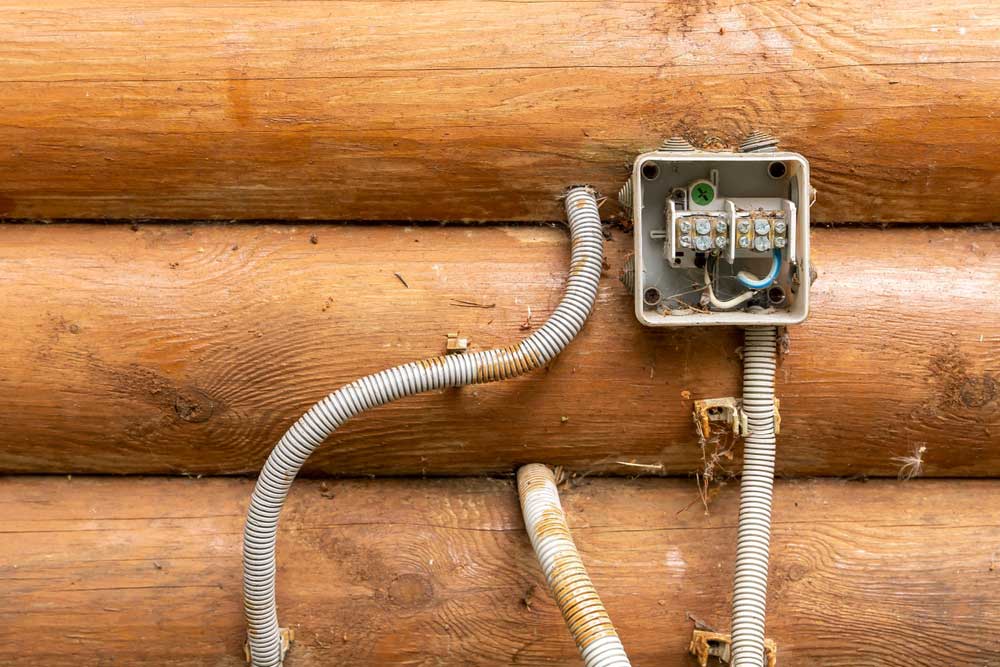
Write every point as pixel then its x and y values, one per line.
pixel 716 453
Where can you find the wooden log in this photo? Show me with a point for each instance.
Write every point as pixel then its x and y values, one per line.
pixel 484 111
pixel 440 572
pixel 172 349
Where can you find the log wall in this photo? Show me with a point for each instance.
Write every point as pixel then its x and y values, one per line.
pixel 456 110
pixel 187 349
pixel 177 349
pixel 440 572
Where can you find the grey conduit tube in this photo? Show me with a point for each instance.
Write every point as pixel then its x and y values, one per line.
pixel 305 435
pixel 756 490
pixel 562 566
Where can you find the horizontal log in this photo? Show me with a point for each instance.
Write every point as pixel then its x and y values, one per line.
pixel 484 111
pixel 440 572
pixel 172 349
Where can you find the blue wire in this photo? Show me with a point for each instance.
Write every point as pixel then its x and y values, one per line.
pixel 769 278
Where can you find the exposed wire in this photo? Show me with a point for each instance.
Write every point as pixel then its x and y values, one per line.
pixel 728 303
pixel 753 282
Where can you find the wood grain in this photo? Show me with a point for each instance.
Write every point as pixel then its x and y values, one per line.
pixel 440 572
pixel 191 349
pixel 457 110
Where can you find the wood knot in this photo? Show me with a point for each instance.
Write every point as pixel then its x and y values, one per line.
pixel 193 405
pixel 186 402
pixel 411 590
pixel 977 392
pixel 796 572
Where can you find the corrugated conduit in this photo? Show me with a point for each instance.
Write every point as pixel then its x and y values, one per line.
pixel 562 566
pixel 305 435
pixel 756 490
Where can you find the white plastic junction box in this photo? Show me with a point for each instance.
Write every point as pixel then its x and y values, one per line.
pixel 721 238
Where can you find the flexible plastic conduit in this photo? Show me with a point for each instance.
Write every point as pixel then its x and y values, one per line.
pixel 568 580
pixel 754 532
pixel 305 435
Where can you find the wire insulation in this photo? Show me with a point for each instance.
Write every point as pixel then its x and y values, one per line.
pixel 751 281
pixel 728 304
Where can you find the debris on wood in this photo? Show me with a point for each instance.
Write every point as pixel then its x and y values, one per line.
pixel 528 596
pixel 456 345
pixel 657 467
pixel 784 341
pixel 911 466
pixel 526 324
pixel 698 623
pixel 560 475
pixel 715 450
pixel 462 303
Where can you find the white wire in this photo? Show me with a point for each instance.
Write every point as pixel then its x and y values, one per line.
pixel 729 303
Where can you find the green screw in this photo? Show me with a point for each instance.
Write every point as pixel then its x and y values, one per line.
pixel 703 194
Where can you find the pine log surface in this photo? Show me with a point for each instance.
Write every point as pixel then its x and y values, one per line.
pixel 455 110
pixel 173 349
pixel 412 572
